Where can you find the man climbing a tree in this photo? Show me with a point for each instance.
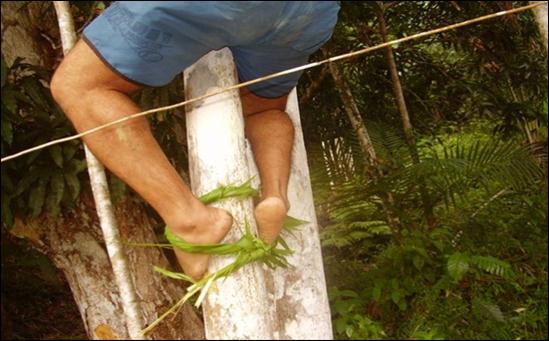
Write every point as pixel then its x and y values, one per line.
pixel 136 44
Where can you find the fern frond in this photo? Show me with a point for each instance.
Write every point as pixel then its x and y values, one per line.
pixel 492 265
pixel 485 309
pixel 457 265
pixel 343 234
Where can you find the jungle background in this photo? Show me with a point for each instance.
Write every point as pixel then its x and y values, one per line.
pixel 432 201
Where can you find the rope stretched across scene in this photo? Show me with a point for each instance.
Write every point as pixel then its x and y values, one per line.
pixel 274 75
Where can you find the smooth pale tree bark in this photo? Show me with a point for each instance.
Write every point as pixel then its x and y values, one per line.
pixel 298 293
pixel 100 188
pixel 540 12
pixel 236 307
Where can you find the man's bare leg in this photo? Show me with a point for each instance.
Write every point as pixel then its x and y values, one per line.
pixel 91 94
pixel 271 135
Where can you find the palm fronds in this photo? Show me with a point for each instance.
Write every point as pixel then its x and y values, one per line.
pixel 451 171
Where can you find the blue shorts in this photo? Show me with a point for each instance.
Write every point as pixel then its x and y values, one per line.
pixel 150 42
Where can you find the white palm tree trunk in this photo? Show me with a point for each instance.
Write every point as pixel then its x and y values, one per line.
pixel 256 302
pixel 235 307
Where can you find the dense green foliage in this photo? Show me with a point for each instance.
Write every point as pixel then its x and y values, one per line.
pixel 478 102
pixel 477 98
pixel 45 178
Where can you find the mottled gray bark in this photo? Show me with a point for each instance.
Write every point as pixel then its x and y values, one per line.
pixel 74 243
pixel 19 34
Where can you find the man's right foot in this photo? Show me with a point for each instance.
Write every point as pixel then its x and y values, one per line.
pixel 270 214
pixel 209 227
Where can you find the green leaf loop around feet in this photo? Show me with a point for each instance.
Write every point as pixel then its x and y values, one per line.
pixel 247 249
pixel 244 190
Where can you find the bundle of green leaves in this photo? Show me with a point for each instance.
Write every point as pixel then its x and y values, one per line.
pixel 247 249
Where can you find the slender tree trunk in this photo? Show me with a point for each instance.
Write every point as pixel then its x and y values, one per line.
pixel 353 114
pixel 397 91
pixel 100 188
pixel 351 108
pixel 313 87
pixel 404 115
pixel 540 13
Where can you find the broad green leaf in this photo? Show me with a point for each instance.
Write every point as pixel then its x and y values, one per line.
pixel 376 292
pixel 457 265
pixel 68 151
pixel 4 71
pixel 28 179
pixel 418 262
pixel 341 325
pixel 487 309
pixel 349 331
pixel 73 183
pixel 35 90
pixel 7 131
pixel 36 197
pixel 342 307
pixel 9 99
pixel 396 296
pixel 57 187
pixel 77 166
pixel 56 154
pixel 291 223
pixel 7 216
